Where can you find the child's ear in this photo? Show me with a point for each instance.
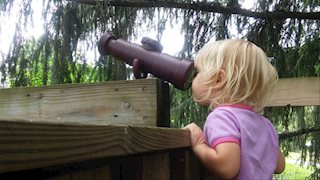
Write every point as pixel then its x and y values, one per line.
pixel 221 80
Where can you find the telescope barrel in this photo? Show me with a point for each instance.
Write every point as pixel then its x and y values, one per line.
pixel 177 71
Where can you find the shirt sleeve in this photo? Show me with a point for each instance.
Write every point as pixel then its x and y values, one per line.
pixel 221 126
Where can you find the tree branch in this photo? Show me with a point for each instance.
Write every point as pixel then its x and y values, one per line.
pixel 298 132
pixel 207 7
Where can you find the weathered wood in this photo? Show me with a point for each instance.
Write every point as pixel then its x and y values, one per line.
pixel 296 92
pixel 101 173
pixel 97 169
pixel 180 164
pixel 184 165
pixel 139 102
pixel 26 145
pixel 114 102
pixel 131 168
pixel 71 123
pixel 156 166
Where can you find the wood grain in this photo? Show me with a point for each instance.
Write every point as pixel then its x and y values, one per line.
pixel 26 145
pixel 296 92
pixel 49 126
pixel 156 166
pixel 114 102
pixel 101 173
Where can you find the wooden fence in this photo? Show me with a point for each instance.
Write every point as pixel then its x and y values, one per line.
pixel 112 130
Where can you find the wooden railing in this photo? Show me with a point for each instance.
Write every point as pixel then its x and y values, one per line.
pixel 296 92
pixel 138 102
pixel 106 130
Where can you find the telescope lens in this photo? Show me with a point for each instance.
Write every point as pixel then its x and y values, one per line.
pixel 191 76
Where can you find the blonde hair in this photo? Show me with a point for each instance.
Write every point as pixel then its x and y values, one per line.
pixel 249 77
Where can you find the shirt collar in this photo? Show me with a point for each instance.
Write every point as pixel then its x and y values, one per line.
pixel 238 105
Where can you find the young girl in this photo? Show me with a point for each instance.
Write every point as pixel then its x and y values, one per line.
pixel 234 79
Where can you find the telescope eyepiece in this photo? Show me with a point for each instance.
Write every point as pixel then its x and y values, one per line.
pixel 151 45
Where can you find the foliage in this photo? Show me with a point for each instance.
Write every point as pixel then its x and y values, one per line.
pixel 294 172
pixel 185 111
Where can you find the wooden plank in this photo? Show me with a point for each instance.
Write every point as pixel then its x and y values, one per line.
pixel 26 145
pixel 101 173
pixel 114 102
pixel 184 165
pixel 180 164
pixel 131 167
pixel 98 169
pixel 156 166
pixel 296 92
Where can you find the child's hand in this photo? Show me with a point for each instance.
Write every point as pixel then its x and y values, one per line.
pixel 196 135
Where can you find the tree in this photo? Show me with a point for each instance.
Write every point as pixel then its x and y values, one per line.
pixel 286 29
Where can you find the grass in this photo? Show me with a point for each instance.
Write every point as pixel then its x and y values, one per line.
pixel 294 172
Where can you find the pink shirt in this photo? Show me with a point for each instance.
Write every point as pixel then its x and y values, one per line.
pixel 254 133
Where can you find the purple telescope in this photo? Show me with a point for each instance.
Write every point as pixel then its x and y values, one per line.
pixel 147 58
